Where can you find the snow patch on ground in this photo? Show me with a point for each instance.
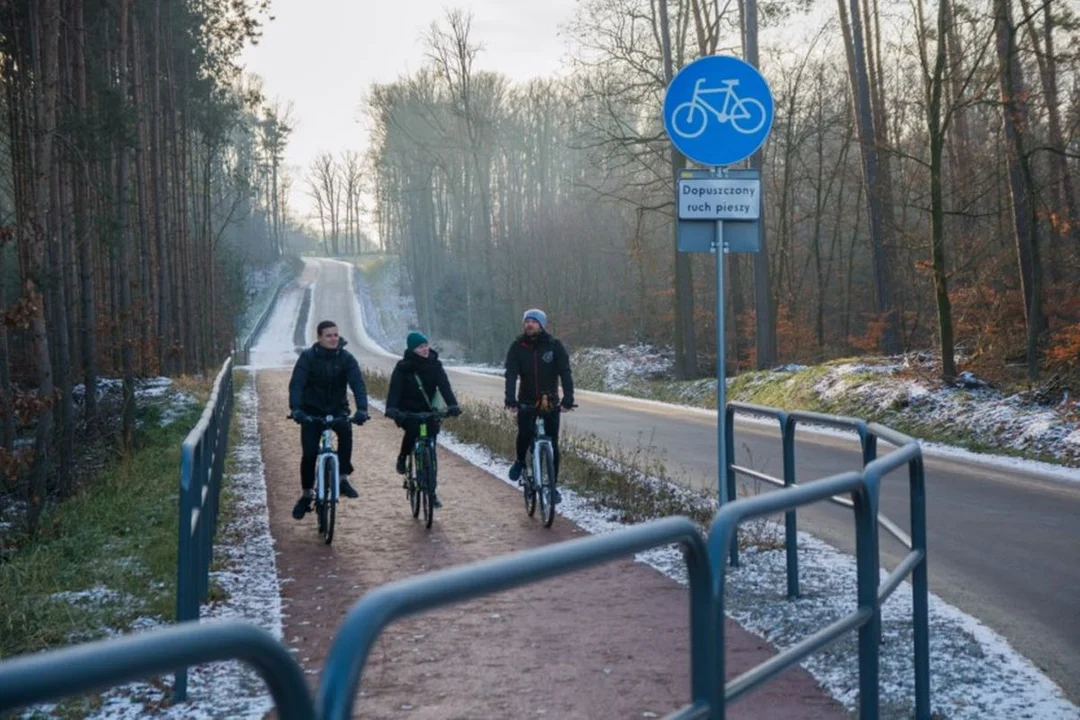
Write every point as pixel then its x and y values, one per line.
pixel 155 392
pixel 622 364
pixel 970 408
pixel 97 595
pixel 259 284
pixel 274 346
pixel 248 575
pixel 975 673
pixel 388 315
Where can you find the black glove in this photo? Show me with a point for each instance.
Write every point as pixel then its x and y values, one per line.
pixel 567 403
pixel 511 405
pixel 300 417
pixel 392 413
pixel 360 417
pixel 453 411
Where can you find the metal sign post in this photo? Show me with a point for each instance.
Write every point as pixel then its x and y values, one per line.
pixel 718 111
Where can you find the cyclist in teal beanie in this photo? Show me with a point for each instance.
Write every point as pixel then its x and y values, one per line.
pixel 418 384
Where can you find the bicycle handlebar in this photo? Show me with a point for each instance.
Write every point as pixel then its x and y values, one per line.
pixel 523 409
pixel 325 421
pixel 421 416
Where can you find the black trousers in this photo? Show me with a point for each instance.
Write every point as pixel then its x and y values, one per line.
pixel 527 428
pixel 309 441
pixel 412 432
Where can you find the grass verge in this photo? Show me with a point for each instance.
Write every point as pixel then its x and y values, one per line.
pixel 626 486
pixel 106 557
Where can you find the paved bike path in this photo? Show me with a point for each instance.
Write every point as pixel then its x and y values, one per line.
pixel 610 642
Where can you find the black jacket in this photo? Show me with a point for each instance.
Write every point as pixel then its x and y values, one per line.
pixel 404 393
pixel 320 379
pixel 540 362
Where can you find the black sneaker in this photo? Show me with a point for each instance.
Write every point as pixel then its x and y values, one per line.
pixel 558 496
pixel 436 501
pixel 346 488
pixel 302 507
pixel 515 470
pixel 400 467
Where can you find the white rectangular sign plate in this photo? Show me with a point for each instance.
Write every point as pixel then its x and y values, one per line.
pixel 719 199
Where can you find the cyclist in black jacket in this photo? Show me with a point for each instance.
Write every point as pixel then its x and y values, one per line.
pixel 320 378
pixel 417 384
pixel 540 361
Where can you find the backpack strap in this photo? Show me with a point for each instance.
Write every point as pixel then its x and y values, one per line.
pixel 420 384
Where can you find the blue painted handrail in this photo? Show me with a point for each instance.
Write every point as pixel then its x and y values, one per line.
pixel 53 675
pixel 382 606
pixel 202 465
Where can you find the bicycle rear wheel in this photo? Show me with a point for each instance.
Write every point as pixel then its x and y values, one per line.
pixel 547 485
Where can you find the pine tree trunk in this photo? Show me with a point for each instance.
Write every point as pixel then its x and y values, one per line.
pixel 1025 225
pixel 46 27
pixel 163 287
pixel 124 253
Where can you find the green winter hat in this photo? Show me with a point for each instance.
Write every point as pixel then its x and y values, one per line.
pixel 415 340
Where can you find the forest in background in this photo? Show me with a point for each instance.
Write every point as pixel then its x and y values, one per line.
pixel 139 178
pixel 919 186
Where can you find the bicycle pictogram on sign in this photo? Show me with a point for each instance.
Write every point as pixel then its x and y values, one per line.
pixel 718 110
pixel 691 118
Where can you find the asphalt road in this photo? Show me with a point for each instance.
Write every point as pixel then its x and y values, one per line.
pixel 1002 542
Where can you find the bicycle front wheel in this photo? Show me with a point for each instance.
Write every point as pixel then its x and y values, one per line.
pixel 329 505
pixel 547 485
pixel 428 486
pixel 414 486
pixel 528 487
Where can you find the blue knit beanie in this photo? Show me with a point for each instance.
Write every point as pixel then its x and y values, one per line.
pixel 415 340
pixel 538 315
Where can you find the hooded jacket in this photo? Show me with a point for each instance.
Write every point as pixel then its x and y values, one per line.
pixel 404 393
pixel 320 379
pixel 540 362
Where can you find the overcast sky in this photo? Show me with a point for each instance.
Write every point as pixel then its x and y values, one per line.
pixel 322 55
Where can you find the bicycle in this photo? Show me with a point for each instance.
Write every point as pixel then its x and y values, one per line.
pixel 734 110
pixel 540 463
pixel 422 466
pixel 327 475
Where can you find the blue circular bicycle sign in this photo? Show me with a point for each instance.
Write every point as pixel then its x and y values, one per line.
pixel 718 110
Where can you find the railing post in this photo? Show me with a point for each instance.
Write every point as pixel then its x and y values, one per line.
pixel 791 527
pixel 868 577
pixel 184 587
pixel 728 473
pixel 868 440
pixel 920 588
pixel 718 710
pixel 205 457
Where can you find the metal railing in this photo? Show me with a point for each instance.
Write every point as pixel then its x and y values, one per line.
pixel 788 422
pixel 74 670
pixel 382 606
pixel 202 464
pixel 94 666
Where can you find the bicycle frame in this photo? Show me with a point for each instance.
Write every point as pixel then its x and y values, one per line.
pixel 421 442
pixel 727 90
